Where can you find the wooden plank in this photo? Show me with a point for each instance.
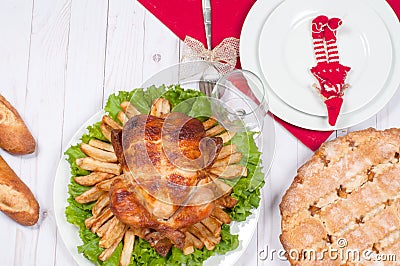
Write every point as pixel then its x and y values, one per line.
pixel 84 77
pixel 342 132
pixel 138 46
pixel 249 257
pixel 371 122
pixel 45 106
pixel 390 115
pixel 303 154
pixel 282 174
pixel 63 258
pixel 124 54
pixel 85 66
pixel 15 31
pixel 161 47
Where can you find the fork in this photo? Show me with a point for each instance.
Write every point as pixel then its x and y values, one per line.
pixel 207 80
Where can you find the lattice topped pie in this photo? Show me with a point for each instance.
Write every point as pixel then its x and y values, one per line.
pixel 345 198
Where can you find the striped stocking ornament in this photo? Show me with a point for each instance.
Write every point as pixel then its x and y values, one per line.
pixel 317 28
pixel 331 75
pixel 330 39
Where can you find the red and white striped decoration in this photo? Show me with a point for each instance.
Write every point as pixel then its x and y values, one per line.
pixel 318 27
pixel 319 49
pixel 331 75
pixel 330 39
pixel 333 52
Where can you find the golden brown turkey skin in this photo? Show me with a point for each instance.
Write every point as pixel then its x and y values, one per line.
pixel 126 207
pixel 167 157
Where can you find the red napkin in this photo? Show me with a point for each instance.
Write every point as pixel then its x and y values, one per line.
pixel 186 18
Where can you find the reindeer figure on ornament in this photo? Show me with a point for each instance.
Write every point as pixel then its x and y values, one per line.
pixel 330 74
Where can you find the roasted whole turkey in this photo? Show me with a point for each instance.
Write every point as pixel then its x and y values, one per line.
pixel 160 180
pixel 164 159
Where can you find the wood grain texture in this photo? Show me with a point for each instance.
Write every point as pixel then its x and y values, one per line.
pixel 45 106
pixel 85 63
pixel 125 45
pixel 15 32
pixel 59 61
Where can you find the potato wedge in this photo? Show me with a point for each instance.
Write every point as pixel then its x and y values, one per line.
pixel 112 234
pixel 213 225
pixel 129 109
pixel 110 122
pixel 91 164
pixel 215 131
pixel 89 222
pixel 209 123
pixel 103 229
pixel 122 117
pixel 101 145
pixel 221 215
pixel 160 107
pixel 106 130
pixel 226 151
pixel 126 255
pixel 226 202
pixel 207 234
pixel 101 219
pixel 109 251
pixel 105 185
pixel 189 249
pixel 226 136
pixel 89 196
pixel 222 187
pixel 92 179
pixel 229 171
pixel 111 225
pixel 98 154
pixel 196 242
pixel 230 159
pixel 101 203
pixel 197 233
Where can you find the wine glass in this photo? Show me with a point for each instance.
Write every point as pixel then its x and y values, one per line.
pixel 239 101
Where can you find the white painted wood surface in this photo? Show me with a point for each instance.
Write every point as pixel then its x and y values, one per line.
pixel 59 60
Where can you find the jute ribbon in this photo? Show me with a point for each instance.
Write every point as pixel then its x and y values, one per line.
pixel 225 53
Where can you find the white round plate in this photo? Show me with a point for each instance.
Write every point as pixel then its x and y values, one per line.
pixel 249 51
pixel 286 52
pixel 69 233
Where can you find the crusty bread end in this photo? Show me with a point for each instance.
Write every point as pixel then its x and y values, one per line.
pixel 15 137
pixel 16 199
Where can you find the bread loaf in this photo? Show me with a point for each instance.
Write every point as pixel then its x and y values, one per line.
pixel 15 137
pixel 16 199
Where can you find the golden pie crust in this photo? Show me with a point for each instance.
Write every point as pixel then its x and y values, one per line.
pixel 346 198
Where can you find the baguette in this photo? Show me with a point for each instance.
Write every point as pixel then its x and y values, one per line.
pixel 15 137
pixel 16 199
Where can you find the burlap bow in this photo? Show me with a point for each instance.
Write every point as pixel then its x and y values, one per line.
pixel 225 53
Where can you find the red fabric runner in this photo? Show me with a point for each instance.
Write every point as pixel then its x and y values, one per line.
pixel 186 18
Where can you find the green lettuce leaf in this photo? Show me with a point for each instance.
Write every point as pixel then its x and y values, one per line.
pixel 75 214
pixel 142 99
pixel 94 132
pixel 247 189
pixel 190 102
pixel 114 258
pixel 91 250
pixel 175 94
pixel 113 103
pixel 73 153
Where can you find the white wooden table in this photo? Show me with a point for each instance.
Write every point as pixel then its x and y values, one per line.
pixel 59 60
